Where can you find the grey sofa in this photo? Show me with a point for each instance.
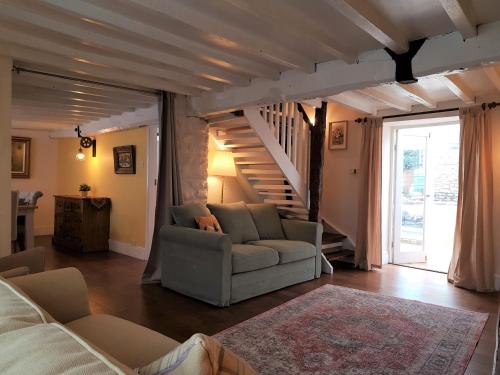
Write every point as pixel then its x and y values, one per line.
pixel 257 253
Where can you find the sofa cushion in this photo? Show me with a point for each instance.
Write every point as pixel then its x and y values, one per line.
pixel 289 251
pixel 267 220
pixel 200 355
pixel 17 310
pixel 184 215
pixel 235 220
pixel 47 349
pixel 129 343
pixel 250 257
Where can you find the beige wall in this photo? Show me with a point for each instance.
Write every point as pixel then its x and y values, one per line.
pixel 43 177
pixel 127 192
pixel 339 200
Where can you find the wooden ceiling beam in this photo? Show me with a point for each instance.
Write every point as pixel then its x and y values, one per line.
pixel 103 12
pixel 101 59
pixel 106 73
pixel 456 85
pixel 76 96
pixel 367 18
pixel 386 98
pixel 462 15
pixel 493 75
pixel 87 33
pixel 37 103
pixel 305 29
pixel 355 102
pixel 418 94
pixel 250 41
pixel 60 111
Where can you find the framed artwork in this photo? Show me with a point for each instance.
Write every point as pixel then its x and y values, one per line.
pixel 124 159
pixel 20 157
pixel 338 135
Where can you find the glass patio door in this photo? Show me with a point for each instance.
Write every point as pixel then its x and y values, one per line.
pixel 411 194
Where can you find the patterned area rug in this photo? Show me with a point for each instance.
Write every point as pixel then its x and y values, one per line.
pixel 335 330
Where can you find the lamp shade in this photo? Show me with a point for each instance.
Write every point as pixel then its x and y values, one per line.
pixel 222 164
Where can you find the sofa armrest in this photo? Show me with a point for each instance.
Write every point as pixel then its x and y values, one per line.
pixel 62 293
pixel 306 231
pixel 15 272
pixel 197 263
pixel 33 259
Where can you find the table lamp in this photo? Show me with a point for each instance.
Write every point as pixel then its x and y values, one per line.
pixel 222 166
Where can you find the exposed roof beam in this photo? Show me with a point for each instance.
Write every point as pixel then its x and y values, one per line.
pixel 87 34
pixel 493 75
pixel 62 111
pixel 368 19
pixel 354 101
pixel 456 85
pixel 80 54
pixel 78 97
pixel 462 15
pixel 418 94
pixel 33 101
pixel 71 85
pixel 141 117
pixel 36 56
pixel 439 54
pixel 48 118
pixel 248 40
pixel 115 19
pixel 304 28
pixel 386 98
pixel 22 124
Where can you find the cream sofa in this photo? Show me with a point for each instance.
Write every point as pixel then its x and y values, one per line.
pixel 63 296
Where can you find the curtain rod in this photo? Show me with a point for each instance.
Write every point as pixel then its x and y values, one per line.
pixel 484 105
pixel 19 70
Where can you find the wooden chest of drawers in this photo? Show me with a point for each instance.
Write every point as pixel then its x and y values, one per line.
pixel 81 224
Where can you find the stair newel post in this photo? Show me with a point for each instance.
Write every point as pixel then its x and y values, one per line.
pixel 317 142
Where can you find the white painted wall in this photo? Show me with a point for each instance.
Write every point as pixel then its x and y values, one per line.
pixel 43 177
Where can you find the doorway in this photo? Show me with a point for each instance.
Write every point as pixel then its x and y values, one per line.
pixel 425 180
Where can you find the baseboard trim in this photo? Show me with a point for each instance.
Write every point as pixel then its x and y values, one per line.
pixel 43 231
pixel 497 281
pixel 127 249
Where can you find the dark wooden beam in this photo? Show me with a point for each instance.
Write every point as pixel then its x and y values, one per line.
pixel 318 131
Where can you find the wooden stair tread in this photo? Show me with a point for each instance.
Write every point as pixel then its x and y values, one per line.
pixel 267 179
pixel 261 171
pixel 290 202
pixel 255 162
pixel 340 255
pixel 230 137
pixel 293 209
pixel 280 194
pixel 332 237
pixel 272 187
pixel 227 122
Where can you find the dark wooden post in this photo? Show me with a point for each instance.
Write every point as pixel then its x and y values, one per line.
pixel 318 132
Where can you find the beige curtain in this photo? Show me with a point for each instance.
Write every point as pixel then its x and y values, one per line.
pixel 368 252
pixel 472 264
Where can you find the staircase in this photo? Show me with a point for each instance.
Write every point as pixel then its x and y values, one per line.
pixel 333 248
pixel 270 146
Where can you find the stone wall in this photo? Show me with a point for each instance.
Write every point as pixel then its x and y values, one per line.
pixel 192 148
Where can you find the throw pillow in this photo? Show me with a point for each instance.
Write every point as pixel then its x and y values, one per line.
pixel 200 355
pixel 208 223
pixel 235 220
pixel 184 215
pixel 267 220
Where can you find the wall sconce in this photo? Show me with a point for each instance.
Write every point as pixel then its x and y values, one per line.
pixel 85 142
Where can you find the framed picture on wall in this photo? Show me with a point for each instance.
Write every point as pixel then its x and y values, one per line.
pixel 124 159
pixel 337 135
pixel 20 157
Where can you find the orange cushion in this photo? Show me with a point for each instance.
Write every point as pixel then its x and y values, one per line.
pixel 208 223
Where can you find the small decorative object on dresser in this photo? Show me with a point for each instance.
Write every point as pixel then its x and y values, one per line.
pixel 338 135
pixel 81 224
pixel 84 190
pixel 124 158
pixel 20 157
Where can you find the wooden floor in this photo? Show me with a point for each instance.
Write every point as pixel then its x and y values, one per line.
pixel 114 286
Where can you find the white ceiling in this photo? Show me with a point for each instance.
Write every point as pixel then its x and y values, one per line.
pixel 197 47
